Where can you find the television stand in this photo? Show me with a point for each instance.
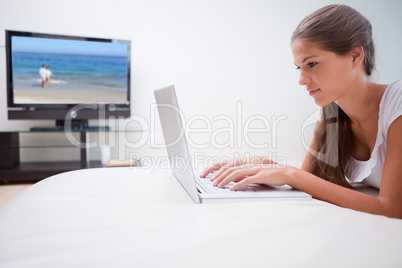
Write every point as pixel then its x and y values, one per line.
pixel 12 170
pixel 62 128
pixel 75 125
pixel 55 128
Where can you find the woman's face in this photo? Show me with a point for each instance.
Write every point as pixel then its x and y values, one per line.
pixel 326 75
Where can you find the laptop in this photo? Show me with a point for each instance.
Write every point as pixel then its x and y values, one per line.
pixel 200 189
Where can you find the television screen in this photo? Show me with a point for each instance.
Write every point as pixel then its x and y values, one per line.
pixel 48 75
pixel 52 71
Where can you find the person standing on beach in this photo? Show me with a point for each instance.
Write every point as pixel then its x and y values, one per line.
pixel 48 75
pixel 43 75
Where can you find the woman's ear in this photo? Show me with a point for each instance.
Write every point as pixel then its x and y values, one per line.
pixel 357 56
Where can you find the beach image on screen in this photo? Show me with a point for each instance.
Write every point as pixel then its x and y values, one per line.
pixel 68 71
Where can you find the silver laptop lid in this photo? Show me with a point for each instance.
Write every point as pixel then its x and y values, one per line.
pixel 175 140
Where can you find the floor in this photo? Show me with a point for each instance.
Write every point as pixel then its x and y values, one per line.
pixel 7 192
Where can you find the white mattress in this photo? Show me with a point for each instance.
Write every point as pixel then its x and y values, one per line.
pixel 122 217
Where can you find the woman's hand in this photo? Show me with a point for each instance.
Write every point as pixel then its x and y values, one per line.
pixel 269 174
pixel 258 170
pixel 224 165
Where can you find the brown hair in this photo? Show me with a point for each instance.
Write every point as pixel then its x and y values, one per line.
pixel 339 29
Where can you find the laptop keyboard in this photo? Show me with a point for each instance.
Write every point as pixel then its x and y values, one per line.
pixel 207 185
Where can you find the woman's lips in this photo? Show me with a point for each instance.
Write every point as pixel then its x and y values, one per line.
pixel 312 92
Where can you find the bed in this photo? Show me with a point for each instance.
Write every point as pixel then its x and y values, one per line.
pixel 133 217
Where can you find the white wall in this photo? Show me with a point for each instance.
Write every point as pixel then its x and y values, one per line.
pixel 216 53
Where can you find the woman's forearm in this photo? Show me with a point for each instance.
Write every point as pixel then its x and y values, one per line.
pixel 335 194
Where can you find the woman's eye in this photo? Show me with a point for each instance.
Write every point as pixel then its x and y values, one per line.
pixel 312 64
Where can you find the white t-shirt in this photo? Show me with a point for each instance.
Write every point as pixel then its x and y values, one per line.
pixel 370 171
pixel 48 73
pixel 43 72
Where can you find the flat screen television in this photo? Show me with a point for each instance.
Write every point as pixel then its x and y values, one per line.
pixel 70 79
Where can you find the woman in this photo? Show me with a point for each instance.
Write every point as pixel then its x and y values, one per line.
pixel 359 135
pixel 48 75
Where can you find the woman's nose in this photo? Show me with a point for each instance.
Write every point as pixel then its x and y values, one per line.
pixel 304 79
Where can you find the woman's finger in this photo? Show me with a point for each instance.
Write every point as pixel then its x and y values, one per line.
pixel 220 177
pixel 224 168
pixel 210 169
pixel 243 183
pixel 236 174
pixel 221 171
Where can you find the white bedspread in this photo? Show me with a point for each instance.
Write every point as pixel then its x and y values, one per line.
pixel 122 217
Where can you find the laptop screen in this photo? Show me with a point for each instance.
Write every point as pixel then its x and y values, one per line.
pixel 175 140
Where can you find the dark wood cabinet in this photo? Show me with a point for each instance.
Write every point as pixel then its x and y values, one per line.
pixel 12 170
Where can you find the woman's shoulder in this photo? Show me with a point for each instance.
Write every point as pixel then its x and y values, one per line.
pixel 392 94
pixel 395 86
pixel 391 103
